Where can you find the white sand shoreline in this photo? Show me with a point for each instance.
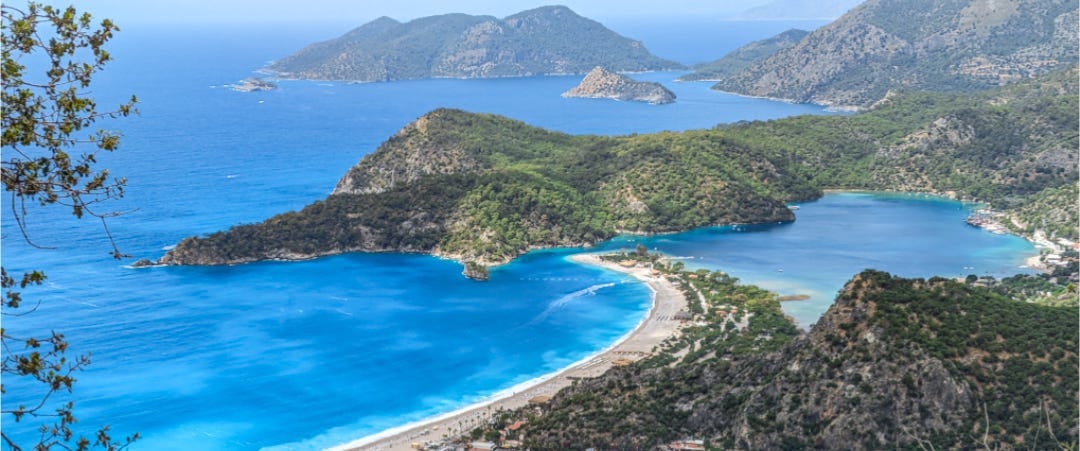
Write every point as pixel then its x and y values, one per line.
pixel 657 325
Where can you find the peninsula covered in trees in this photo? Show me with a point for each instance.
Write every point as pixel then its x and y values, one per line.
pixel 484 189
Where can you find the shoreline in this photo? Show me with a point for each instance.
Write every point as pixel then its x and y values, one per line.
pixel 657 325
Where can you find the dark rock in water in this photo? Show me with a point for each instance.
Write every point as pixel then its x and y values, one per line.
pixel 143 262
pixel 603 84
pixel 476 271
pixel 252 84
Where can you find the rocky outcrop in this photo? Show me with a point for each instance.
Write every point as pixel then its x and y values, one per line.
pixel 603 84
pixel 547 40
pixel 953 45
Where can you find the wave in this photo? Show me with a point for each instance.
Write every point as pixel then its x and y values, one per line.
pixel 562 301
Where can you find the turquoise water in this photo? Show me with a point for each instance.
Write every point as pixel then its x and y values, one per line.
pixel 316 353
pixel 838 236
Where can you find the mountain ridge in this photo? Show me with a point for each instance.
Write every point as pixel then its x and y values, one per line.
pixel 540 41
pixel 906 45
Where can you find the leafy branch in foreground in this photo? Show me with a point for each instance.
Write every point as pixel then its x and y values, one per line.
pixel 46 118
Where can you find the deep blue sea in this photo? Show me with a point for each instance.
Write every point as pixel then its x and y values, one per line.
pixel 311 354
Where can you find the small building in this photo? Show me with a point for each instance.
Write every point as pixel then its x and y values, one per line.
pixel 683 315
pixel 621 362
pixel 628 263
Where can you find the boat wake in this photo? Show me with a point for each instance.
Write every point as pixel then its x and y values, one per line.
pixel 562 301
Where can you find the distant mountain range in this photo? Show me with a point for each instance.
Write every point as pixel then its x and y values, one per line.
pixel 547 40
pixel 889 45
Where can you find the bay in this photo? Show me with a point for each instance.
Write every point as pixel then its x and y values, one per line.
pixel 310 354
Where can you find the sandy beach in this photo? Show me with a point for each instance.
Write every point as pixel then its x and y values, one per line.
pixel 659 323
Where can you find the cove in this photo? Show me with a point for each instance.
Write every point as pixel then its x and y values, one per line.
pixel 312 354
pixel 839 235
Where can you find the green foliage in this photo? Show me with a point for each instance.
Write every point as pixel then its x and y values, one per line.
pixel 1021 358
pixel 45 120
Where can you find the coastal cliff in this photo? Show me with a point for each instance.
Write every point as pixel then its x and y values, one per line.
pixel 894 363
pixel 882 46
pixel 602 84
pixel 546 40
pixel 484 189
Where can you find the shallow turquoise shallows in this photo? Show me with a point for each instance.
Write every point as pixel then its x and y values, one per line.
pixel 311 354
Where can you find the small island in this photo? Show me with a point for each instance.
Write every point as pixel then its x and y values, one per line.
pixel 252 84
pixel 600 83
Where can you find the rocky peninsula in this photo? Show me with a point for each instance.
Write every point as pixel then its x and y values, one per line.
pixel 600 83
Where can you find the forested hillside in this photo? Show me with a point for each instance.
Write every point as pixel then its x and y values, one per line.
pixel 894 364
pixel 485 189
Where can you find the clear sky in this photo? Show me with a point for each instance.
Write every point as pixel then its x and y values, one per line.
pixel 360 11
